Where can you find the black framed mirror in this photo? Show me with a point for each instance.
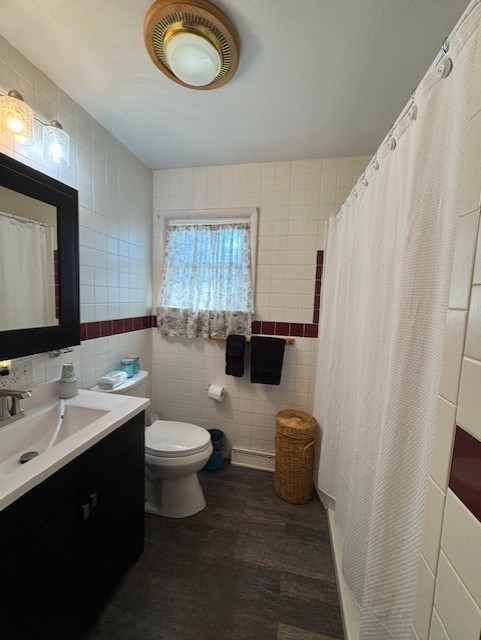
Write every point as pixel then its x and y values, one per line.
pixel 39 262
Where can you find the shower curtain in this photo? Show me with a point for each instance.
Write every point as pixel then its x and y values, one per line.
pixel 385 296
pixel 26 275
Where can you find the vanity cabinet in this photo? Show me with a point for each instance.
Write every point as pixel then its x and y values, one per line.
pixel 66 543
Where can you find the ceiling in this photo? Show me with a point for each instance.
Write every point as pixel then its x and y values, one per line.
pixel 316 78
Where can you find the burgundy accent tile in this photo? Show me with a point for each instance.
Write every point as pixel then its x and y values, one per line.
pixel 282 328
pixel 320 257
pixel 317 288
pixel 465 478
pixel 296 329
pixel 137 323
pixel 145 322
pixel 317 302
pixel 83 332
pixel 315 316
pixel 268 328
pixel 93 330
pixel 154 321
pixel 256 326
pixel 311 330
pixel 106 328
pixel 128 324
pixel 319 272
pixel 117 326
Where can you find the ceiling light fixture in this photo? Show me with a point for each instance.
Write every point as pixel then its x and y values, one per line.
pixel 56 144
pixel 16 118
pixel 192 42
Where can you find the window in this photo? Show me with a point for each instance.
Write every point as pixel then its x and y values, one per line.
pixel 207 278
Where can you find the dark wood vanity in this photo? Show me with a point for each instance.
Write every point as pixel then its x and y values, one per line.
pixel 66 543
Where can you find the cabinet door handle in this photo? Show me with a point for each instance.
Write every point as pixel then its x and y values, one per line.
pixel 85 511
pixel 94 498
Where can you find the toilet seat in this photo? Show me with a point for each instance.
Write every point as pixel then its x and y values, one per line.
pixel 170 439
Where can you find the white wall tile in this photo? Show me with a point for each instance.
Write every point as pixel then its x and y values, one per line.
pixel 424 600
pixel 463 261
pixel 453 354
pixel 461 542
pixel 457 610
pixel 469 404
pixel 443 442
pixel 437 632
pixel 473 334
pixel 433 521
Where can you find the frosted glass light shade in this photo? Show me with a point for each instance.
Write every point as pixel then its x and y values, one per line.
pixel 16 119
pixel 56 145
pixel 193 59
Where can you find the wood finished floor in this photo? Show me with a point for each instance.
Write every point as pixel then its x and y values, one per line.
pixel 248 567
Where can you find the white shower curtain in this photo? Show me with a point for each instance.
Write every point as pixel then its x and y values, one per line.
pixel 385 295
pixel 26 275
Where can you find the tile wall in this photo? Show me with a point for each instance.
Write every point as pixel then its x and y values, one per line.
pixel 448 599
pixel 295 199
pixel 115 194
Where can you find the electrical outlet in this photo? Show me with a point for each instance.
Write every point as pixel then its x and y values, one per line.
pixel 20 376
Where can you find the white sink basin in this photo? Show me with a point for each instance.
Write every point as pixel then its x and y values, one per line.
pixel 35 432
pixel 88 418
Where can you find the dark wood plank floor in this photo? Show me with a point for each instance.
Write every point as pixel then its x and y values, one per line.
pixel 250 566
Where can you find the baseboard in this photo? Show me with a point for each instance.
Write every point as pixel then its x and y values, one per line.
pixel 351 614
pixel 252 459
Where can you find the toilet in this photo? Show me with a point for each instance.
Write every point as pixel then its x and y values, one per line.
pixel 174 453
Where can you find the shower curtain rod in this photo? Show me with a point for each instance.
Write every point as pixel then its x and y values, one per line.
pixel 21 219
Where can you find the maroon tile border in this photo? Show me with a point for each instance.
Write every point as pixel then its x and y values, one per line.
pixel 92 330
pixel 465 478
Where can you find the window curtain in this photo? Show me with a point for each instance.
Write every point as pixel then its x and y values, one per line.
pixel 26 275
pixel 385 296
pixel 207 283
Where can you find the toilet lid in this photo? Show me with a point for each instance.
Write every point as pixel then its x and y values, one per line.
pixel 167 438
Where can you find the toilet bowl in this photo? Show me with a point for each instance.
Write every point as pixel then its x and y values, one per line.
pixel 174 453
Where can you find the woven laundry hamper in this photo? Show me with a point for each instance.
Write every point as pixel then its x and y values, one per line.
pixel 295 437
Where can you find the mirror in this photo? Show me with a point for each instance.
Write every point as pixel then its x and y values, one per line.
pixel 39 299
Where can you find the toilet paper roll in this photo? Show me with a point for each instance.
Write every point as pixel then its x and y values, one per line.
pixel 216 392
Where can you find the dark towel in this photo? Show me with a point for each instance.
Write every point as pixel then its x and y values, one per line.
pixel 234 355
pixel 267 355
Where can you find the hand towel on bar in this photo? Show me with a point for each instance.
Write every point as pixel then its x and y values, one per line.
pixel 234 355
pixel 267 356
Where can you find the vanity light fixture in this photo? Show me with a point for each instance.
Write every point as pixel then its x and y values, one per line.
pixel 56 144
pixel 193 42
pixel 16 118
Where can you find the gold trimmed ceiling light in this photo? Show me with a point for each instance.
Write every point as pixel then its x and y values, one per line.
pixel 192 42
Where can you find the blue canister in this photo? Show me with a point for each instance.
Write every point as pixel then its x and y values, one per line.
pixel 136 360
pixel 128 365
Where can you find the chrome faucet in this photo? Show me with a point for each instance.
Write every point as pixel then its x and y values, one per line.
pixel 10 409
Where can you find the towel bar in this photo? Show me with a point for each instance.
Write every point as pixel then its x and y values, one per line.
pixel 288 340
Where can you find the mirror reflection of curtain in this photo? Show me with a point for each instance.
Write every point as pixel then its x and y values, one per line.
pixel 26 275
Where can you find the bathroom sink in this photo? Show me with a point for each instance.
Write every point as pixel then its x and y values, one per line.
pixel 87 419
pixel 37 432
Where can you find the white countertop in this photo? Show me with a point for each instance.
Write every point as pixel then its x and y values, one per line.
pixel 120 409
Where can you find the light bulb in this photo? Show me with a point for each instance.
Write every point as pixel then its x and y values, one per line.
pixel 15 125
pixel 56 144
pixel 193 59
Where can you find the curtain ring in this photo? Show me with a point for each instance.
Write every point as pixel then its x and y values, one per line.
pixel 391 143
pixel 444 67
pixel 375 165
pixel 413 112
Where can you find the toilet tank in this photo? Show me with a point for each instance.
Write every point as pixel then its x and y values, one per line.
pixel 134 386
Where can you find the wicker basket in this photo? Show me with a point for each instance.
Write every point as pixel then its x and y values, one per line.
pixel 295 437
